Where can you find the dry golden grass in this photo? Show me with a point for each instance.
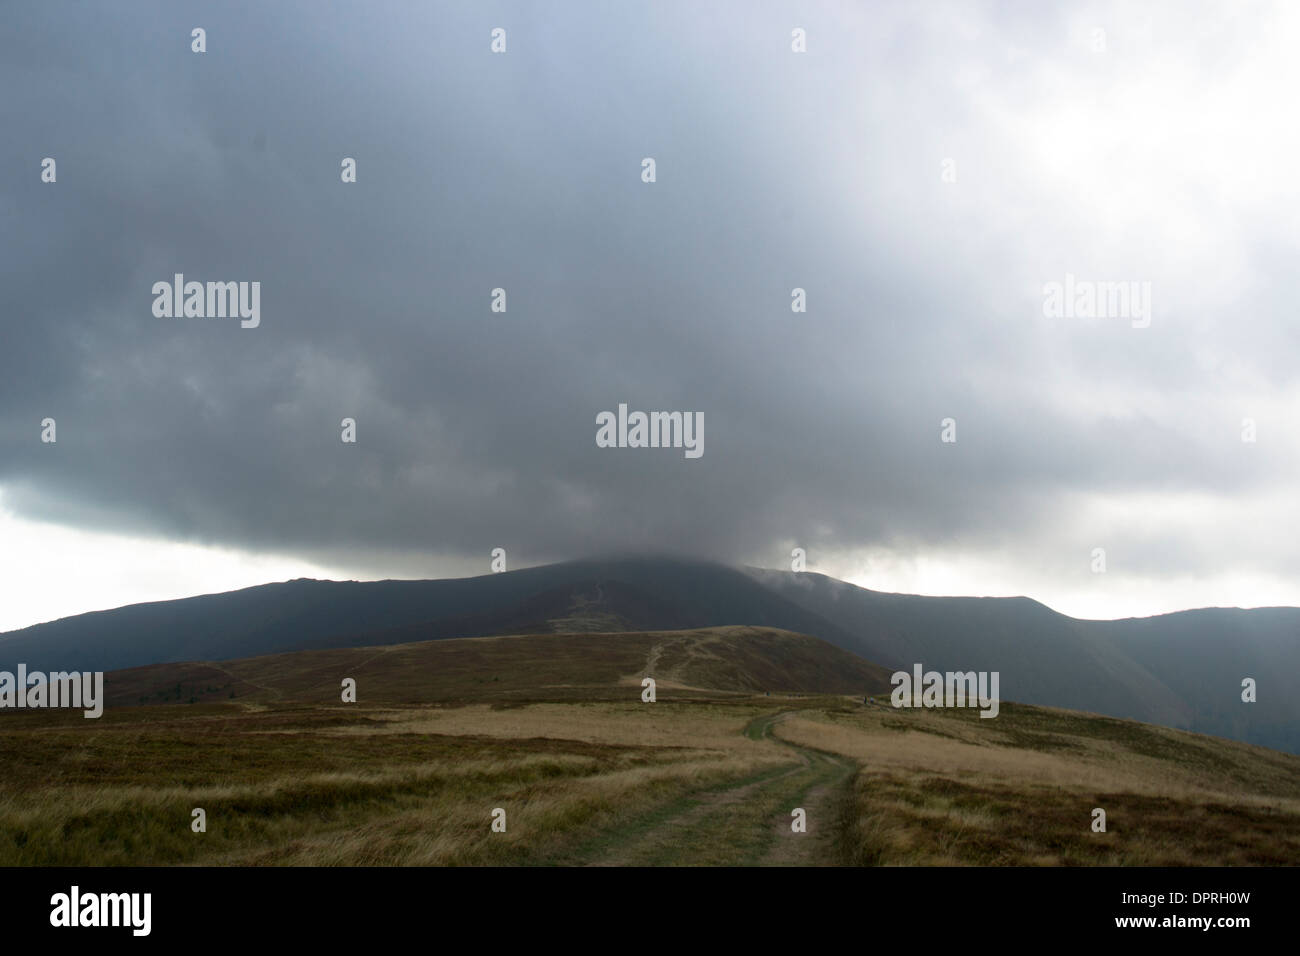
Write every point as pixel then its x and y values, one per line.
pixel 392 786
pixel 623 723
pixel 945 787
pixel 553 731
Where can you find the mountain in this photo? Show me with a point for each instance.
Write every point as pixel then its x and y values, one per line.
pixel 703 662
pixel 619 595
pixel 1181 670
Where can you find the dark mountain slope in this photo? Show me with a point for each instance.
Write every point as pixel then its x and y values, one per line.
pixel 1181 670
pixel 619 595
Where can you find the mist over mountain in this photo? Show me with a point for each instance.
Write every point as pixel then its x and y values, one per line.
pixel 1181 670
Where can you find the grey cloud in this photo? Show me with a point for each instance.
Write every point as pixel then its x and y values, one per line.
pixel 477 430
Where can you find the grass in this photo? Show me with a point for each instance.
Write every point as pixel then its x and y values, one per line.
pixel 286 784
pixel 552 730
pixel 944 787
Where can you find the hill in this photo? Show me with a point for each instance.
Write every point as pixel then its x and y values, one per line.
pixel 1181 670
pixel 705 663
pixel 629 595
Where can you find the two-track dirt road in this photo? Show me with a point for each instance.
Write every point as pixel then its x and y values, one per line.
pixel 743 822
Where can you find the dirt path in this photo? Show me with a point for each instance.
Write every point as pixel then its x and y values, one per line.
pixel 652 659
pixel 742 822
pixel 817 844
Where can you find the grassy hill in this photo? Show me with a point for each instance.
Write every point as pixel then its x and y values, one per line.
pixel 749 726
pixel 1181 670
pixel 708 661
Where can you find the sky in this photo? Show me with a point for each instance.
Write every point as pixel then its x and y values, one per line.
pixel 923 172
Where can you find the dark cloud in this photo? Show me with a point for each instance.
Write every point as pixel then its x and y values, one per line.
pixel 476 429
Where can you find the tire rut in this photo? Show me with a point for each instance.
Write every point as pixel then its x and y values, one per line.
pixel 746 822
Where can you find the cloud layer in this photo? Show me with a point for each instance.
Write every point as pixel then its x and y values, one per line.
pixel 1163 156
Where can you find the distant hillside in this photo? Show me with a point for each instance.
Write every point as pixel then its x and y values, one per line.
pixel 728 660
pixel 1181 670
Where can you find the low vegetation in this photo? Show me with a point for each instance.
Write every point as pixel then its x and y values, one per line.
pixel 749 725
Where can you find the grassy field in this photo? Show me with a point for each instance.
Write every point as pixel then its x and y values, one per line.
pixel 947 787
pixel 749 724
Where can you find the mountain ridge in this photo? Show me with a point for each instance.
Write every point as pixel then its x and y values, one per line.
pixel 1181 670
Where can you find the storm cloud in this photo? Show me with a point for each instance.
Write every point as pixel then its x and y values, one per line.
pixel 922 171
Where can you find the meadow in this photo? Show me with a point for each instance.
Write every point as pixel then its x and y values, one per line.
pixel 748 725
